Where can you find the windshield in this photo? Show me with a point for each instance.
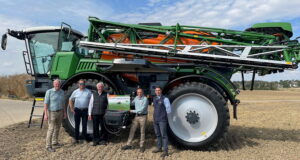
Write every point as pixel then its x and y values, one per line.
pixel 42 47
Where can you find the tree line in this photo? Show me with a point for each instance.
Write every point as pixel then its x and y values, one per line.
pixel 13 86
pixel 265 85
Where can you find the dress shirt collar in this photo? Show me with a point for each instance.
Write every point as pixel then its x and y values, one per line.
pixel 140 97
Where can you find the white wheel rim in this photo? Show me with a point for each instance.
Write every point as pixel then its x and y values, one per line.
pixel 72 122
pixel 198 131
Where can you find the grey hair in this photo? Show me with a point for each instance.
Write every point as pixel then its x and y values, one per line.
pixel 57 80
pixel 100 83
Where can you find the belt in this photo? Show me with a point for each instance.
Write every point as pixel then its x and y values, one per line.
pixel 56 110
pixel 82 109
pixel 141 114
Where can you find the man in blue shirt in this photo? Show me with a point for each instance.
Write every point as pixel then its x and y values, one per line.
pixel 54 112
pixel 162 108
pixel 79 102
pixel 141 110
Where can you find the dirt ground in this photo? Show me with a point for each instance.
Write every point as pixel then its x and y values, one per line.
pixel 15 111
pixel 268 127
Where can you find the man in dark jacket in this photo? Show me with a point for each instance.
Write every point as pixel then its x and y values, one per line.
pixel 162 108
pixel 97 107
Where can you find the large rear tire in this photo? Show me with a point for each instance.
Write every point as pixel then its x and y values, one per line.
pixel 69 122
pixel 199 117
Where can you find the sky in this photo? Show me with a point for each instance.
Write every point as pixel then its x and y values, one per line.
pixel 229 14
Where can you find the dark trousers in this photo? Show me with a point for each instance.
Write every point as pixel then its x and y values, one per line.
pixel 81 115
pixel 160 129
pixel 97 135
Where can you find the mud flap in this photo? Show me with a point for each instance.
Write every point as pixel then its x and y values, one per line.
pixel 235 108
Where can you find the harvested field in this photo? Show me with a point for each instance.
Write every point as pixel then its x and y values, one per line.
pixel 268 127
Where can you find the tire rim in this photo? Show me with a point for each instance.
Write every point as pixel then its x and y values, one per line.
pixel 72 122
pixel 199 108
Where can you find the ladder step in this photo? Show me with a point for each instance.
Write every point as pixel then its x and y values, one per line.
pixel 35 124
pixel 34 115
pixel 37 103
pixel 39 106
pixel 39 99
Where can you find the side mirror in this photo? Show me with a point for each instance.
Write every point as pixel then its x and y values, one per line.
pixel 4 41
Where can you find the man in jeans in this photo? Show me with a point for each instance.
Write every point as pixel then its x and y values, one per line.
pixel 141 110
pixel 80 100
pixel 162 108
pixel 54 112
pixel 97 108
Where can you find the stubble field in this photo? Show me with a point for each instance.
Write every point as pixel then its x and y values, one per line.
pixel 268 127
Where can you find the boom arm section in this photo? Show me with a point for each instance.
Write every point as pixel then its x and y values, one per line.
pixel 215 47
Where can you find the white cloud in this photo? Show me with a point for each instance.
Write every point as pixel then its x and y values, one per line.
pixel 11 60
pixel 15 24
pixel 54 12
pixel 223 13
pixel 220 13
pixel 7 64
pixel 151 3
pixel 18 15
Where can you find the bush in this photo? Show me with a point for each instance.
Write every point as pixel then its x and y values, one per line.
pixel 13 86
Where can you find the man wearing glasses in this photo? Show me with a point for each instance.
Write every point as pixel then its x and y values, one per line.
pixel 79 102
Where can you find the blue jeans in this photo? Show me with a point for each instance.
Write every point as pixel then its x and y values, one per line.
pixel 160 129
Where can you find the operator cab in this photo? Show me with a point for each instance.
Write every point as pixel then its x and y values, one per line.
pixel 42 43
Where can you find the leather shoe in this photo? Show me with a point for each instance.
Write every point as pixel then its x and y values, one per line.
pixel 103 143
pixel 57 145
pixel 75 142
pixel 165 154
pixel 126 147
pixel 94 144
